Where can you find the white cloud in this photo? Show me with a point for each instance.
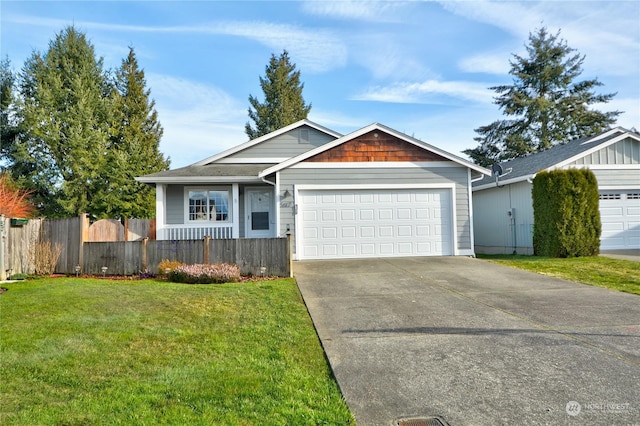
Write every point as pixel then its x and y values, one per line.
pixel 604 31
pixel 428 92
pixel 316 50
pixel 630 108
pixel 375 11
pixel 199 120
pixel 490 63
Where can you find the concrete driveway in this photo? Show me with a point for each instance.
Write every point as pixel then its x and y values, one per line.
pixel 474 343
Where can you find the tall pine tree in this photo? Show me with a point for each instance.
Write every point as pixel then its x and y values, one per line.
pixel 133 146
pixel 65 115
pixel 283 102
pixel 545 103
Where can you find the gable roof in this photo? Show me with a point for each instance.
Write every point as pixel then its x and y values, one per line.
pixel 266 137
pixel 375 126
pixel 524 168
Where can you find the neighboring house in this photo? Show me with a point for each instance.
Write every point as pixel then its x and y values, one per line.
pixel 503 221
pixel 375 192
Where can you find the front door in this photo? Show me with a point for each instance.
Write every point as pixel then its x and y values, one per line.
pixel 260 222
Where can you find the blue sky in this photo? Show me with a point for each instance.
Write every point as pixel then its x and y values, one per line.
pixel 423 68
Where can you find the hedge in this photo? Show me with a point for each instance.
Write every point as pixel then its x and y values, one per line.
pixel 566 215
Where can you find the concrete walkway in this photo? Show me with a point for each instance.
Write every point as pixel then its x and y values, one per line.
pixel 474 343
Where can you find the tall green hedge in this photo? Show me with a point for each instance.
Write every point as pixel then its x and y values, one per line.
pixel 565 213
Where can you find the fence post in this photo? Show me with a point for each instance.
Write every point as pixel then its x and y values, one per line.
pixel 205 254
pixel 144 253
pixel 84 236
pixel 290 253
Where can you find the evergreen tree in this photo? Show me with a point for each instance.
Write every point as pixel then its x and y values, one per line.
pixel 133 146
pixel 545 102
pixel 65 114
pixel 8 127
pixel 283 102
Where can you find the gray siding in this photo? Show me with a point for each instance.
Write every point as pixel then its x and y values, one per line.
pixel 287 145
pixel 618 177
pixel 175 205
pixel 626 151
pixel 497 232
pixel 366 176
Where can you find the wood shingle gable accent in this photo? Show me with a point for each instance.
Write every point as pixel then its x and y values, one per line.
pixel 375 146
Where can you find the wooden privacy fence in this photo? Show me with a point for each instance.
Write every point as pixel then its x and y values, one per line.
pixel 130 248
pixel 133 257
pixel 18 239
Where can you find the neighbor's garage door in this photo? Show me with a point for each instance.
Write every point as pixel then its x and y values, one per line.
pixel 620 217
pixel 374 223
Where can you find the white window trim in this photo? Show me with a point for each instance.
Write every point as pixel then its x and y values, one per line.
pixel 187 189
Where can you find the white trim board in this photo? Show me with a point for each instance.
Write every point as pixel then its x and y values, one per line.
pixel 374 165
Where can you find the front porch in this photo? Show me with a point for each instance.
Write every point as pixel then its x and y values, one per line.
pixel 218 210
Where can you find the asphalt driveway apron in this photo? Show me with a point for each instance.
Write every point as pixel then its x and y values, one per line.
pixel 473 343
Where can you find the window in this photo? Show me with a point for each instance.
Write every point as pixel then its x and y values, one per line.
pixel 208 205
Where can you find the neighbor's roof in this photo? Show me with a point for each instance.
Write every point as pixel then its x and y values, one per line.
pixel 364 130
pixel 557 156
pixel 208 173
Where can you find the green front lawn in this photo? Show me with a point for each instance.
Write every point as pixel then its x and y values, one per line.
pixel 91 351
pixel 621 275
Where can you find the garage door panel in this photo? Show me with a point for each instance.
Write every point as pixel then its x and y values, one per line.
pixel 347 214
pixel 367 214
pixel 376 223
pixel 347 198
pixel 422 213
pixel 404 214
pixel 367 232
pixel 385 231
pixel 384 198
pixel 385 214
pixel 405 231
pixel 348 232
pixel 365 198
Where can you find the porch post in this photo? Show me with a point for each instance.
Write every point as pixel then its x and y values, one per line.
pixel 160 210
pixel 235 210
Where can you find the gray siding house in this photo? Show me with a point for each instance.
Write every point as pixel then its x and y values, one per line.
pixel 375 192
pixel 503 204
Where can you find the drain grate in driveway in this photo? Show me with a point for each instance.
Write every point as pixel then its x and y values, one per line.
pixel 424 421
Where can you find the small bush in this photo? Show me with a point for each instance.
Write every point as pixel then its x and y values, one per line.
pixel 205 274
pixel 45 257
pixel 165 267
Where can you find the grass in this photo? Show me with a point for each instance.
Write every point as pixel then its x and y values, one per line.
pixel 621 275
pixel 91 351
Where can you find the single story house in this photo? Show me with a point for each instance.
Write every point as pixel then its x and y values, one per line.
pixel 503 205
pixel 375 192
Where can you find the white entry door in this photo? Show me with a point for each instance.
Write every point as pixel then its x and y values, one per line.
pixel 374 223
pixel 260 220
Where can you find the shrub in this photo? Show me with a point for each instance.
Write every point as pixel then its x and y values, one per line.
pixel 165 267
pixel 44 257
pixel 205 274
pixel 566 214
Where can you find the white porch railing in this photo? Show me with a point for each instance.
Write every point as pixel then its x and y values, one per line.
pixel 195 232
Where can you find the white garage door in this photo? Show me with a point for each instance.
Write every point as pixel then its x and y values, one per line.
pixel 374 223
pixel 620 217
